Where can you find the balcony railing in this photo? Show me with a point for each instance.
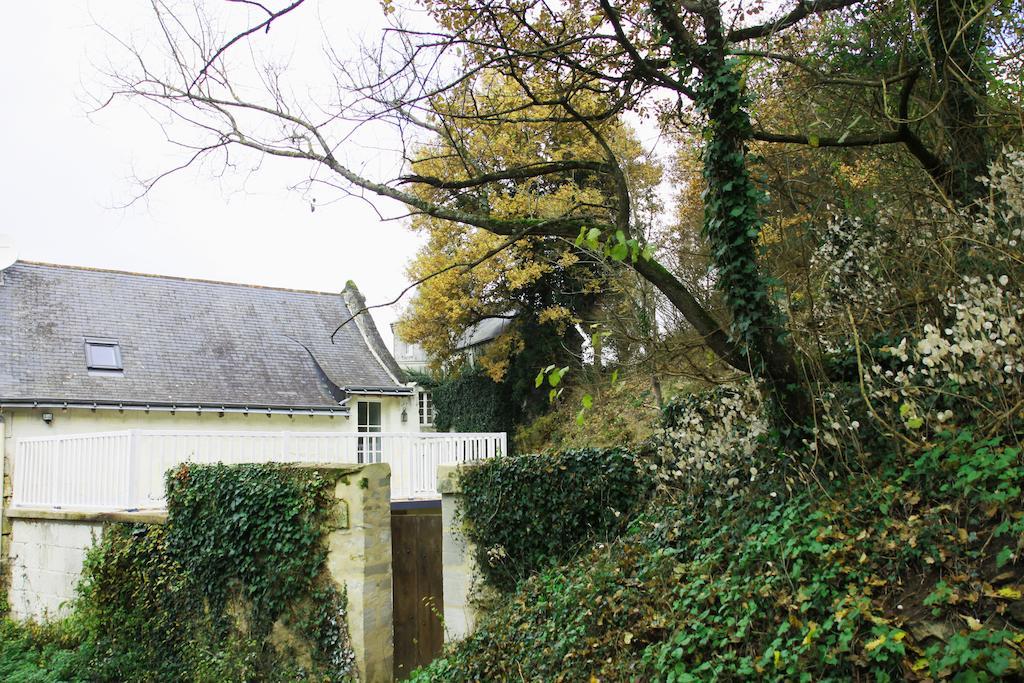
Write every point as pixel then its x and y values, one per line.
pixel 125 470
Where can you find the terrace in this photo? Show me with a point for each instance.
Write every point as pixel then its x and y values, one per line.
pixel 124 470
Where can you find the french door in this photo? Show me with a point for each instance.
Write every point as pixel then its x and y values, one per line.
pixel 370 448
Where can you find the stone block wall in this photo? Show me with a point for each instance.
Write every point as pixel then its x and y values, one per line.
pixel 359 558
pixel 45 558
pixel 458 559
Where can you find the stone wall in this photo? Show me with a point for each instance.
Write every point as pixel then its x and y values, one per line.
pixel 359 545
pixel 47 550
pixel 45 563
pixel 458 559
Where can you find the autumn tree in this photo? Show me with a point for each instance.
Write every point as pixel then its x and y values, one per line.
pixel 552 289
pixel 583 63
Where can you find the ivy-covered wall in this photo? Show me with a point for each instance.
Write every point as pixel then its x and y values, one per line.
pixel 234 587
pixel 472 403
pixel 525 513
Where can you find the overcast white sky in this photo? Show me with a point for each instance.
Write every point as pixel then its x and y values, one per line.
pixel 63 173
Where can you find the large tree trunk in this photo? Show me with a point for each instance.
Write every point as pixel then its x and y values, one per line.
pixel 732 214
pixel 732 224
pixel 956 33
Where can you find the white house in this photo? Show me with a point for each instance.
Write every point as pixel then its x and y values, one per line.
pixel 470 344
pixel 108 379
pixel 408 355
pixel 85 350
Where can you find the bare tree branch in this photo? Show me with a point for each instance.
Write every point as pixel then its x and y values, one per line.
pixel 262 26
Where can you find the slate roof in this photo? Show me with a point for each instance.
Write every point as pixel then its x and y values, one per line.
pixel 182 341
pixel 484 331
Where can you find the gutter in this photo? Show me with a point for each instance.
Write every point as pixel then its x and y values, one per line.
pixel 164 407
pixel 380 391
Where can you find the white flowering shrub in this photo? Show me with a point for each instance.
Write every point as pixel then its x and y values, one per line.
pixel 967 361
pixel 849 266
pixel 887 267
pixel 713 435
pixel 972 363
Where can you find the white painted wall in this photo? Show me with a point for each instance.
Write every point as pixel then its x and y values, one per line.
pixel 45 564
pixel 23 422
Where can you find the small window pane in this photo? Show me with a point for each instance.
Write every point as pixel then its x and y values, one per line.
pixel 368 416
pixel 103 356
pixel 369 448
pixel 426 408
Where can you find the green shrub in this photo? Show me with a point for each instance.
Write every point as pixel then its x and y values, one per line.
pixel 135 600
pixel 43 653
pixel 527 512
pixel 906 572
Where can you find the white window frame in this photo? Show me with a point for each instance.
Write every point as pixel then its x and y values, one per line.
pixel 425 408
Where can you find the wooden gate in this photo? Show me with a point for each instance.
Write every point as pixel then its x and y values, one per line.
pixel 416 571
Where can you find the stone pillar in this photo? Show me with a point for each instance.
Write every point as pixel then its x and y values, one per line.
pixel 458 559
pixel 359 547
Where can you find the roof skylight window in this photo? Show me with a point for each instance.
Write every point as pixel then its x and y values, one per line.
pixel 103 354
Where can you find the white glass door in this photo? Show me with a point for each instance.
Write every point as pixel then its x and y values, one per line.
pixel 370 448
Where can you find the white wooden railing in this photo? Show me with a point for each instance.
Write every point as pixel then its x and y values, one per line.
pixel 125 470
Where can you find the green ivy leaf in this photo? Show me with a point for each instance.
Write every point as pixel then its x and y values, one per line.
pixel 582 236
pixel 555 378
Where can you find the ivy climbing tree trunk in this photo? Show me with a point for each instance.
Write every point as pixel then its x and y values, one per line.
pixel 956 41
pixel 732 226
pixel 732 211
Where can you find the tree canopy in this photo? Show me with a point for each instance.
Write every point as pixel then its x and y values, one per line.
pixel 931 81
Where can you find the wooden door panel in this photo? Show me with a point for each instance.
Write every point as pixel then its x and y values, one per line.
pixel 418 598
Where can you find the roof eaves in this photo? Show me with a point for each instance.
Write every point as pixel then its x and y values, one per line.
pixel 340 410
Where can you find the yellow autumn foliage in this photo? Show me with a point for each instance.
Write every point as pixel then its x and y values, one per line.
pixel 478 286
